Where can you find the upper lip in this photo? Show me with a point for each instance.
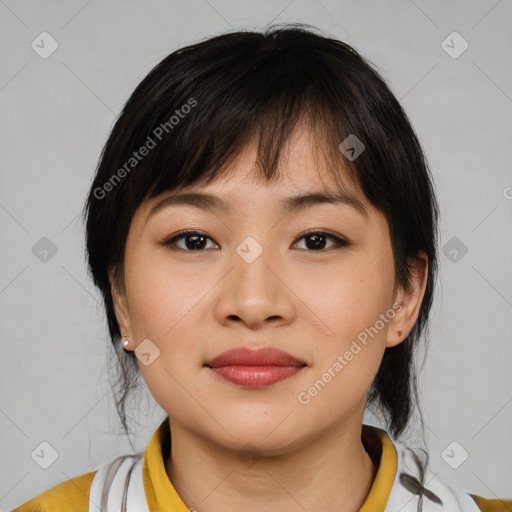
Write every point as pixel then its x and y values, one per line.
pixel 261 357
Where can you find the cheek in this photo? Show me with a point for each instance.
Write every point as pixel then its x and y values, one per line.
pixel 165 306
pixel 162 298
pixel 351 296
pixel 349 343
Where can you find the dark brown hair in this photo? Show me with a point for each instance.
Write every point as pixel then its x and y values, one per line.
pixel 205 101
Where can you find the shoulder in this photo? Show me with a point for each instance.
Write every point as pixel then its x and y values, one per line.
pixel 72 494
pixel 413 478
pixel 486 505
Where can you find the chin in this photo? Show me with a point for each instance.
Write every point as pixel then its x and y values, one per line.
pixel 262 437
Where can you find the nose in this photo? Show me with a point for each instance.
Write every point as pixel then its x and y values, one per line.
pixel 255 293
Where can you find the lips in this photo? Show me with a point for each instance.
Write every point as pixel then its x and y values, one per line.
pixel 248 357
pixel 255 368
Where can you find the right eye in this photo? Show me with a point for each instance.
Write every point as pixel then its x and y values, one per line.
pixel 194 241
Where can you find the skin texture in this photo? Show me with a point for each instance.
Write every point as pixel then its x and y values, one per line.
pixel 311 303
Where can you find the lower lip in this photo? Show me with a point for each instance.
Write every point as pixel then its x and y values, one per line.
pixel 256 376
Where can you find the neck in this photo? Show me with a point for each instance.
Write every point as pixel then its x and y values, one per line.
pixel 333 472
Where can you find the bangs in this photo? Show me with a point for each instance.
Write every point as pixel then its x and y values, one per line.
pixel 235 104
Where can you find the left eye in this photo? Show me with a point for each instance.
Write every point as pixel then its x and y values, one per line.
pixel 317 240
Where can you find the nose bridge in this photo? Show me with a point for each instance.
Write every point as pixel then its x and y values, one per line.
pixel 252 261
pixel 253 292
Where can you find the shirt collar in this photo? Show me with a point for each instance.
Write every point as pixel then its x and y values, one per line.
pixel 163 497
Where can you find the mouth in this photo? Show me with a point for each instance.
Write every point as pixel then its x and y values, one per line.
pixel 255 368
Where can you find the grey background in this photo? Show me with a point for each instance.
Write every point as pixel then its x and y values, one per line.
pixel 56 115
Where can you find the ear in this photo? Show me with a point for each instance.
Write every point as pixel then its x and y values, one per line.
pixel 410 298
pixel 120 305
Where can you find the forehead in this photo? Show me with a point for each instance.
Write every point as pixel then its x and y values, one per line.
pixel 306 166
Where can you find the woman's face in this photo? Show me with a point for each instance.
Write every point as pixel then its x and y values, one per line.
pixel 256 281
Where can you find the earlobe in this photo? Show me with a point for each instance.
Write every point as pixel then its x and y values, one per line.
pixel 410 298
pixel 396 327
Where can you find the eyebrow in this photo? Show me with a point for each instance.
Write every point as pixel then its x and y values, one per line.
pixel 288 205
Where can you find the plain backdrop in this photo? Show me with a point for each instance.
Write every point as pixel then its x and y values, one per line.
pixel 56 113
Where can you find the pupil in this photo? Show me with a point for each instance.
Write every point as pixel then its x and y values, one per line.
pixel 319 244
pixel 198 244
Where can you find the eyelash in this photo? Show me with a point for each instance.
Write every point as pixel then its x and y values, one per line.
pixel 170 242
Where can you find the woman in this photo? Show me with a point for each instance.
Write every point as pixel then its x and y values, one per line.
pixel 263 229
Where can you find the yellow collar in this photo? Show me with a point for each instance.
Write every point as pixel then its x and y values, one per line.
pixel 162 496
